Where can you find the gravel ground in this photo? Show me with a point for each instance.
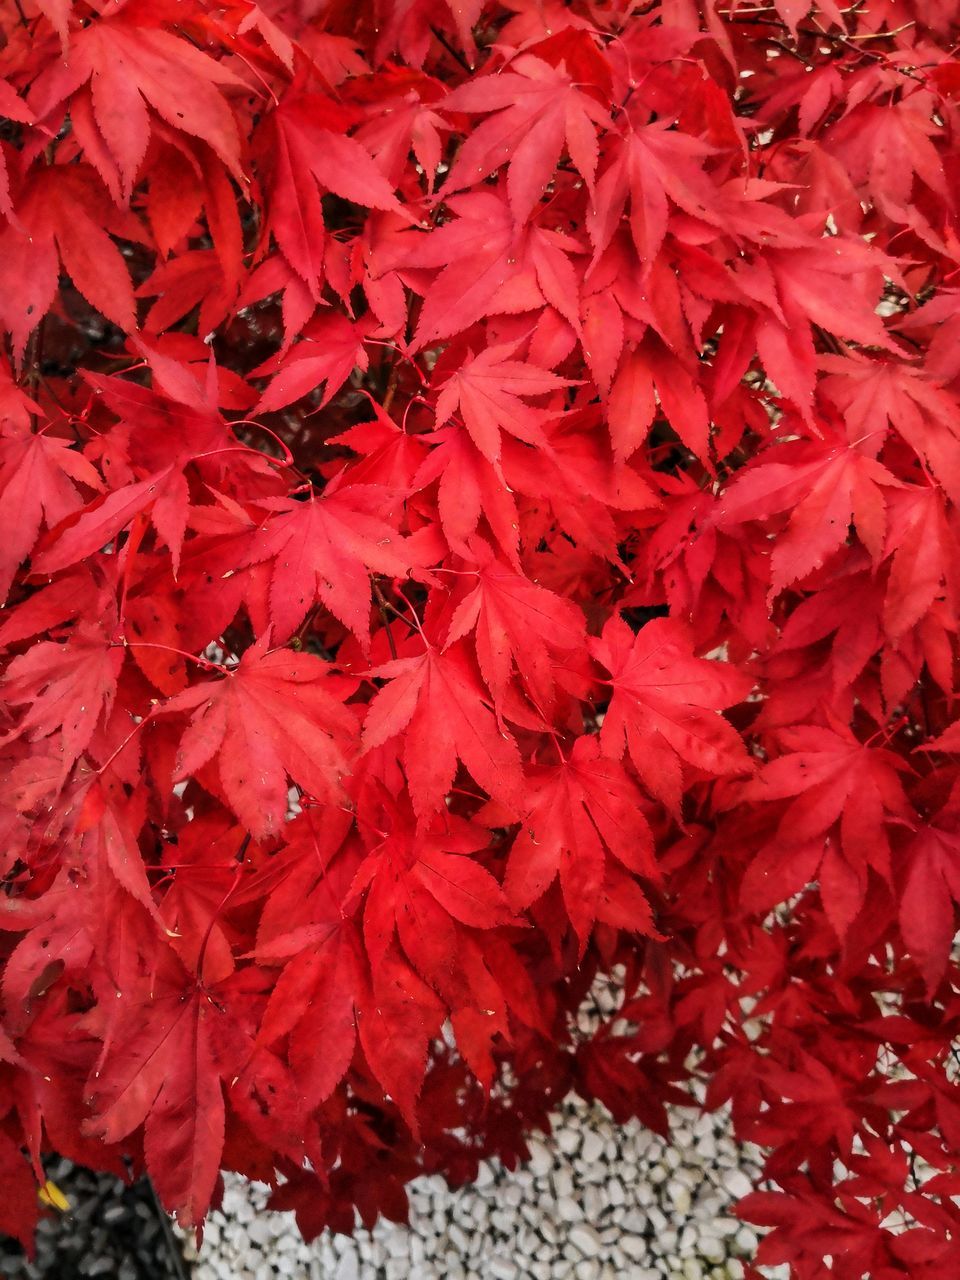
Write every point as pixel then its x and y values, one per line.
pixel 112 1230
pixel 598 1201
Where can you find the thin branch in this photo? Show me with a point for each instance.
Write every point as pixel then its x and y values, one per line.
pixel 454 53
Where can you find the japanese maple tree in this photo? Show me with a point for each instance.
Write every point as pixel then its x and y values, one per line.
pixel 478 508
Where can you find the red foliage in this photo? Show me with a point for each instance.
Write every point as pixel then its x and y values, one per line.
pixel 467 523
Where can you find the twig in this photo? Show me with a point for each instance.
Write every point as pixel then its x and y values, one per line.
pixel 454 53
pixel 173 1244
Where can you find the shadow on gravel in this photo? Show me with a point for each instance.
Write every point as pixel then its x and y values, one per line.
pixel 112 1230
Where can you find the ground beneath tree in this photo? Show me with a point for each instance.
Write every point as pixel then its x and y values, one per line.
pixel 112 1230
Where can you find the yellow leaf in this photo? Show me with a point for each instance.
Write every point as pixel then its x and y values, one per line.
pixel 51 1195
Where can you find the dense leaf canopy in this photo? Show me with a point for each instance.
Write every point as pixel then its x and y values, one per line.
pixel 478 494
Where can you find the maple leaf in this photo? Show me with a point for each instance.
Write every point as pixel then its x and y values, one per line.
pixel 400 119
pixel 331 349
pixel 930 891
pixel 538 109
pixel 886 151
pixel 648 165
pixel 304 151
pixel 278 714
pixel 579 812
pixel 67 687
pixel 65 218
pixel 325 549
pixel 38 485
pixel 403 1016
pixel 632 407
pixel 924 554
pixel 487 388
pixel 165 1043
pixel 483 234
pixel 439 704
pixel 875 396
pixel 830 777
pixel 13 107
pixel 847 608
pixel 20 1207
pixel 420 886
pixel 825 490
pixel 315 1002
pixel 518 624
pixel 666 706
pixel 129 66
pixel 468 489
pixel 165 492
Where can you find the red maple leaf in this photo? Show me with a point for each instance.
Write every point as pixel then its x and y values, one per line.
pixel 666 706
pixel 580 812
pixel 539 108
pixel 278 715
pixel 439 705
pixel 324 549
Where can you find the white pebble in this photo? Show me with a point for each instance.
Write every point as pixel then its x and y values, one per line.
pixel 745 1240
pixel 568 1210
pixel 592 1147
pixel 568 1141
pixel 634 1247
pixel 585 1239
pixel 737 1183
pixel 502 1269
pixel 541 1158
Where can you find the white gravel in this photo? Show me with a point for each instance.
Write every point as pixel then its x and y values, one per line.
pixel 597 1201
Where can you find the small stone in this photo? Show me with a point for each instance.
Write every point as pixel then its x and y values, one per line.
pixel 746 1241
pixel 585 1239
pixel 711 1249
pixel 541 1157
pixel 736 1182
pixel 259 1231
pixel 687 1242
pixel 568 1210
pixel 592 1203
pixel 634 1247
pixel 707 1147
pixel 398 1246
pixel 679 1197
pixel 591 1148
pixel 635 1222
pixel 568 1141
pixel 502 1269
pixel 458 1237
pixel 503 1221
pixel 548 1231
pixel 348 1268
